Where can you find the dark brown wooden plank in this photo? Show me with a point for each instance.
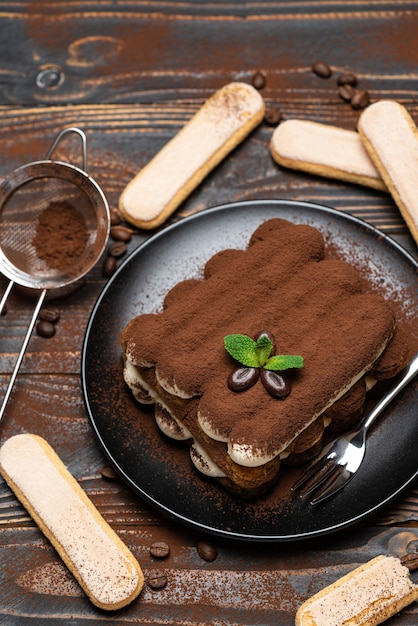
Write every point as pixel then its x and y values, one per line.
pixel 131 74
pixel 183 51
pixel 250 585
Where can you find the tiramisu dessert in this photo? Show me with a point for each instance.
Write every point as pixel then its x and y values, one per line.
pixel 253 362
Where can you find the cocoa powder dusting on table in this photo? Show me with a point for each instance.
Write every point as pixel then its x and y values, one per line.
pixel 61 235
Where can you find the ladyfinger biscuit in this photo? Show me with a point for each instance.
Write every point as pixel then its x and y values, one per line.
pixel 218 127
pixel 324 150
pixel 367 596
pixel 391 139
pixel 99 560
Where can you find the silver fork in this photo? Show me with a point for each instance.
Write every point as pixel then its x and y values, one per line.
pixel 339 461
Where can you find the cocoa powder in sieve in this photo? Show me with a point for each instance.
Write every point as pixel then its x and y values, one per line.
pixel 61 235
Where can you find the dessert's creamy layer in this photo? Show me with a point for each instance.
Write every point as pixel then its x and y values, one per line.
pixel 324 150
pixel 93 550
pixel 171 386
pixel 378 588
pixel 204 463
pixel 172 427
pixel 169 424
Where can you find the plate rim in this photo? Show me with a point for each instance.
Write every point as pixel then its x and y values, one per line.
pixel 149 241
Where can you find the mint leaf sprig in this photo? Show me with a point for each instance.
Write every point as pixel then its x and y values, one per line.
pixel 257 361
pixel 257 353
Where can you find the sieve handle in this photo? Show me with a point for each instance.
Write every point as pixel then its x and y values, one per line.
pixel 5 296
pixel 24 344
pixel 83 139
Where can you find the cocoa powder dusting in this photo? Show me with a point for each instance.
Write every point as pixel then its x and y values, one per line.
pixel 316 306
pixel 61 235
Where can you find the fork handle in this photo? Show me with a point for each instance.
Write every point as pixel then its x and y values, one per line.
pixel 410 371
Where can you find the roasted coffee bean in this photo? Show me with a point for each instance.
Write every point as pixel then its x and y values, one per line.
pixel 49 314
pixel 275 384
pixel 321 69
pixel 108 473
pixel 410 560
pixel 118 249
pixel 121 233
pixel 346 92
pixel 269 335
pixel 347 79
pixel 242 378
pixel 109 266
pixel 45 329
pixel 115 217
pixel 360 99
pixel 272 116
pixel 156 579
pixel 207 551
pixel 159 550
pixel 258 80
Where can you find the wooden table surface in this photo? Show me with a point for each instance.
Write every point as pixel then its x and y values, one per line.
pixel 131 74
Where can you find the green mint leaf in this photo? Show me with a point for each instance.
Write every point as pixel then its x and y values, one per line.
pixel 263 348
pixel 283 362
pixel 243 349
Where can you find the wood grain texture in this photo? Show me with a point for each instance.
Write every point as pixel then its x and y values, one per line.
pixel 142 52
pixel 131 74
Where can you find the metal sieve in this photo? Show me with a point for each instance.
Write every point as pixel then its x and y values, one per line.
pixel 25 196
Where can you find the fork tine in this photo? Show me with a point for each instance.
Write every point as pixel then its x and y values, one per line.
pixel 315 466
pixel 314 476
pixel 337 479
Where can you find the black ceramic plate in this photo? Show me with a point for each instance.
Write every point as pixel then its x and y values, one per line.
pixel 158 469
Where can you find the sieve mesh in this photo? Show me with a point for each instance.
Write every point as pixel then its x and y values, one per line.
pixel 20 217
pixel 36 249
pixel 33 191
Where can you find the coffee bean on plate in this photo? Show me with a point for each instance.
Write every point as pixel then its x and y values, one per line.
pixel 159 550
pixel 321 69
pixel 156 579
pixel 207 551
pixel 45 329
